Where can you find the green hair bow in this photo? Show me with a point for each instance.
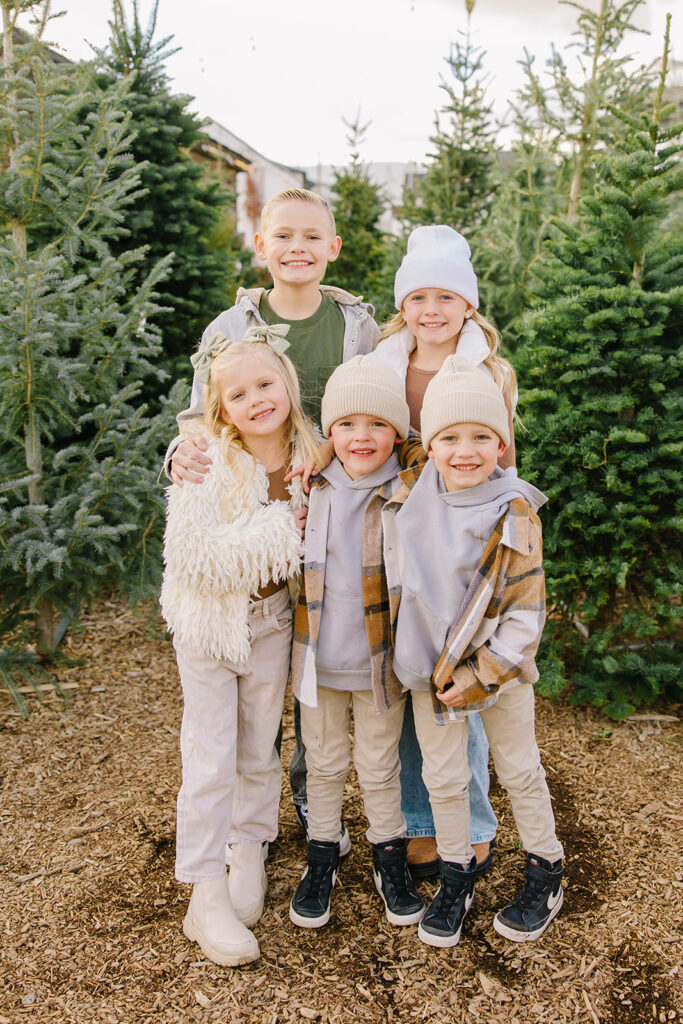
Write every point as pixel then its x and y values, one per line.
pixel 273 335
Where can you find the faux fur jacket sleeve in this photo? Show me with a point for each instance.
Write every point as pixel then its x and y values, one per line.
pixel 213 566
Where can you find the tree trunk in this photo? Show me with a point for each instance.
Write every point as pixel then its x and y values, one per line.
pixel 45 619
pixel 590 110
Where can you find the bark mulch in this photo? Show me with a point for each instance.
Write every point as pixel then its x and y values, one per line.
pixel 90 914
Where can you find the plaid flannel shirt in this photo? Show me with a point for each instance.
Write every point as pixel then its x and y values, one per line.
pixel 508 585
pixel 385 685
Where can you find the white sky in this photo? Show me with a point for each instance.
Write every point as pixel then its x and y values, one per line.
pixel 282 75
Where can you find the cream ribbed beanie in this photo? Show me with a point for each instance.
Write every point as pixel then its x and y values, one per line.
pixel 365 386
pixel 436 257
pixel 461 393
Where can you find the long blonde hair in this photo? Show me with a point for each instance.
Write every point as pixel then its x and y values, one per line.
pixel 501 370
pixel 296 431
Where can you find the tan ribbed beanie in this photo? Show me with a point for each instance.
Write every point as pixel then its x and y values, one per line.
pixel 462 393
pixel 365 386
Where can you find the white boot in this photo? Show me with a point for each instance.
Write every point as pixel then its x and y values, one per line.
pixel 247 882
pixel 212 922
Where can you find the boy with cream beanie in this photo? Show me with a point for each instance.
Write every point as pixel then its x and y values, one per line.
pixel 465 571
pixel 341 658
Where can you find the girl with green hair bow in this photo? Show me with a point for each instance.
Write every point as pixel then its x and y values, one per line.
pixel 232 549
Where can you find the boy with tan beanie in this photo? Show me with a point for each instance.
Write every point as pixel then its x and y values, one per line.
pixel 341 658
pixel 465 573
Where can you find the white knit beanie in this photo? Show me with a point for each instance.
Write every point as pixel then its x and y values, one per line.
pixel 437 257
pixel 461 393
pixel 363 386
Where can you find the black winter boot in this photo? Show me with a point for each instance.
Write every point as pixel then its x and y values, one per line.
pixel 442 921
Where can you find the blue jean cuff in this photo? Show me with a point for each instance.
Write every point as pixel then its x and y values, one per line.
pixel 483 837
pixel 419 833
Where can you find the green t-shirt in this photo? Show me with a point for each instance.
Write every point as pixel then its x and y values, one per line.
pixel 316 346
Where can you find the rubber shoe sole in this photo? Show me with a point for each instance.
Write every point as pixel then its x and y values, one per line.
pixel 244 953
pixel 444 941
pixel 392 918
pixel 516 936
pixel 309 922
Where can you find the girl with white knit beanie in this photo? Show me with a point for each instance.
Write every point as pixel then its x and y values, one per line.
pixel 437 299
pixel 232 544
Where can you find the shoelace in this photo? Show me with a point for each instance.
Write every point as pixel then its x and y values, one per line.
pixel 533 888
pixel 316 877
pixel 449 892
pixel 397 878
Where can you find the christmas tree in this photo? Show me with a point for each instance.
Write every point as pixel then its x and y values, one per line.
pixel 599 372
pixel 180 210
pixel 457 188
pixel 80 503
pixel 357 206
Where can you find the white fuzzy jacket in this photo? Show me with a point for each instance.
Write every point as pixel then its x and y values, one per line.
pixel 212 565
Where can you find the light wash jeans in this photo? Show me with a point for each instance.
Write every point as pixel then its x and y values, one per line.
pixel 414 796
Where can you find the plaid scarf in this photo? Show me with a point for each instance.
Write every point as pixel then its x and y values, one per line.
pixel 508 582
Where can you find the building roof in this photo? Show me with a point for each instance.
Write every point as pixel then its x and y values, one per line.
pixel 232 143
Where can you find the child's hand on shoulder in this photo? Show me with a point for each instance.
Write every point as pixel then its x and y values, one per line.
pixel 308 468
pixel 300 515
pixel 189 463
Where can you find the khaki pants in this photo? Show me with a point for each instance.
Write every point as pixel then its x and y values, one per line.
pixel 231 716
pixel 509 725
pixel 325 732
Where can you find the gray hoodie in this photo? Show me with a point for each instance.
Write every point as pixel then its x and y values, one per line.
pixel 439 538
pixel 342 658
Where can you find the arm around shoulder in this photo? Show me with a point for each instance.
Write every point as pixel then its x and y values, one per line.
pixel 210 555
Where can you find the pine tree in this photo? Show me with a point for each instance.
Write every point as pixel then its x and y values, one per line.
pixel 357 206
pixel 382 295
pixel 527 197
pixel 561 119
pixel 80 503
pixel 180 211
pixel 573 119
pixel 600 366
pixel 457 187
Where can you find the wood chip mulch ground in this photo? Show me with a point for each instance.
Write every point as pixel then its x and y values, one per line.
pixel 90 914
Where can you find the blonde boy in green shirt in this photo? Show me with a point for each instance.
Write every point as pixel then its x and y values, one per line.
pixel 297 240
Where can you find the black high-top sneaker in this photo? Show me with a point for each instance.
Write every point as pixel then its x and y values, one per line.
pixel 310 906
pixel 394 884
pixel 539 901
pixel 442 921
